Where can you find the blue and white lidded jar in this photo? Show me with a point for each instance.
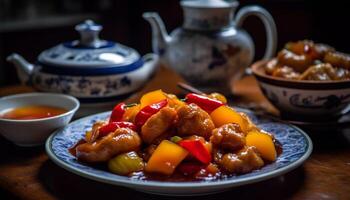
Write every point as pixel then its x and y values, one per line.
pixel 91 69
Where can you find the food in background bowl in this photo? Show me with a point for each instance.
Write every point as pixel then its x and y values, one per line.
pixel 306 60
pixel 306 81
pixel 170 139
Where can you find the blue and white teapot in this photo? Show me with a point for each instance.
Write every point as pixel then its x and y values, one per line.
pixel 211 50
pixel 91 69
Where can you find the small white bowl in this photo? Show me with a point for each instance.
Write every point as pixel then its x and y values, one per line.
pixel 35 131
pixel 313 100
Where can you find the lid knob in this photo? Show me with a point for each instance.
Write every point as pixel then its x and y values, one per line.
pixel 89 31
pixel 209 3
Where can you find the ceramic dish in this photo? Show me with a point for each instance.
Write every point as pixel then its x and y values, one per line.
pixel 91 69
pixel 304 98
pixel 34 132
pixel 296 145
pixel 211 49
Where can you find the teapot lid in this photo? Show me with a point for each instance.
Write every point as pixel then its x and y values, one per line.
pixel 90 51
pixel 208 15
pixel 208 3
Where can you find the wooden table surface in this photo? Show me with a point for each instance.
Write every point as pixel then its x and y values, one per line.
pixel 27 173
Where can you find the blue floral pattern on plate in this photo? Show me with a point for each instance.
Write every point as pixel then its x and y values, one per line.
pixel 296 145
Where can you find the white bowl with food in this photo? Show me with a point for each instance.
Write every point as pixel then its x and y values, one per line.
pixel 29 119
pixel 306 80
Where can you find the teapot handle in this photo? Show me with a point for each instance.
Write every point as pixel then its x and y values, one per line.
pixel 270 27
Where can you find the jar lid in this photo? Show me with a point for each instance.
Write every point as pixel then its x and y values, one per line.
pixel 90 51
pixel 208 3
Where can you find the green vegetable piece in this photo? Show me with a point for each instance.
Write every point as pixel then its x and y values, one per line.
pixel 183 100
pixel 126 163
pixel 175 139
pixel 131 105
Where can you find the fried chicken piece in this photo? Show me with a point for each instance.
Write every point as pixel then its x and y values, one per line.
pixel 321 50
pixel 276 69
pixel 338 59
pixel 299 63
pixel 271 66
pixel 250 125
pixel 194 121
pixel 120 141
pixel 217 154
pixel 286 72
pixel 315 51
pixel 92 135
pixel 229 137
pixel 325 72
pixel 320 72
pixel 158 124
pixel 246 160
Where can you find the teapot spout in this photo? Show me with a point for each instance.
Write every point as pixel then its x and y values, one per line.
pixel 160 37
pixel 23 67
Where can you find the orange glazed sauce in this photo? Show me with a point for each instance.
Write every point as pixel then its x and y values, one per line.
pixel 32 112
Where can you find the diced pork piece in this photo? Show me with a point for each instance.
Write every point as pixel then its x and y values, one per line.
pixel 228 137
pixel 246 160
pixel 158 124
pixel 120 141
pixel 194 121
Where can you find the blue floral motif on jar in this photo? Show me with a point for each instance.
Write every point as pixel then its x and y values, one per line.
pixel 84 83
pixel 125 81
pixel 92 87
pixel 95 91
pixel 65 84
pixel 49 82
pixel 111 85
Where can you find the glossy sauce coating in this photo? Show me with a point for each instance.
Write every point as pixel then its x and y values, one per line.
pixel 180 141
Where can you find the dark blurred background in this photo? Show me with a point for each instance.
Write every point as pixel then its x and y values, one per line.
pixel 30 26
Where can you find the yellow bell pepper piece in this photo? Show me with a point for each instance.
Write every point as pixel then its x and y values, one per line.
pixel 152 97
pixel 174 102
pixel 218 96
pixel 88 135
pixel 263 143
pixel 225 115
pixel 165 158
pixel 131 112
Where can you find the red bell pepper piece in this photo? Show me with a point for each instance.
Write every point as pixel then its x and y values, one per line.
pixel 118 112
pixel 203 102
pixel 111 127
pixel 146 112
pixel 197 149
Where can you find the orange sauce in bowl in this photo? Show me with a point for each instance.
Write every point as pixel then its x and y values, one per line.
pixel 32 112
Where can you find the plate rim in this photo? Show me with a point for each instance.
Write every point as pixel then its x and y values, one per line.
pixel 231 182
